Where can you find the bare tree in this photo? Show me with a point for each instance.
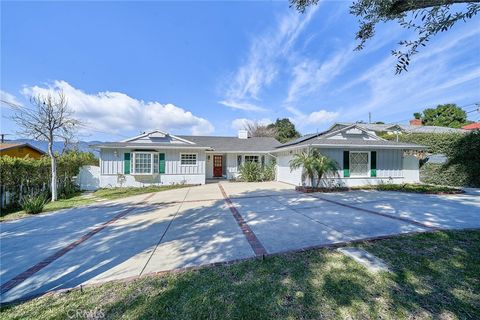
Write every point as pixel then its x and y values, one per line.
pixel 257 130
pixel 50 119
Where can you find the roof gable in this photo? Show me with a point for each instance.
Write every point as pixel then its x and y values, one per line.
pixel 157 136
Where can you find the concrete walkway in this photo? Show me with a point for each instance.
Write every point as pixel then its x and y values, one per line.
pixel 201 225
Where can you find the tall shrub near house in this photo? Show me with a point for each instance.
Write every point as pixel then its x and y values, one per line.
pixel 27 176
pixel 462 151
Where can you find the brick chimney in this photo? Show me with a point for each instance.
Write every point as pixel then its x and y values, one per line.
pixel 416 122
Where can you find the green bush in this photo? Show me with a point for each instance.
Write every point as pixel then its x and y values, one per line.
pixel 33 204
pixel 22 176
pixel 269 171
pixel 463 157
pixel 439 174
pixel 250 172
pixel 254 172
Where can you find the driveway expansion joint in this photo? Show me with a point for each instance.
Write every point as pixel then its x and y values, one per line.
pixel 164 233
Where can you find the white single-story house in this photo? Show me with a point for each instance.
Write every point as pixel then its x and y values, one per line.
pixel 160 158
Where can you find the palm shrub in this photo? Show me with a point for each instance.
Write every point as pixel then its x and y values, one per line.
pixel 314 165
pixel 250 172
pixel 323 166
pixel 268 171
pixel 33 204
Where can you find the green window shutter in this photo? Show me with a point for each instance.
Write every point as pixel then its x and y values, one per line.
pixel 373 164
pixel 161 163
pixel 346 164
pixel 126 163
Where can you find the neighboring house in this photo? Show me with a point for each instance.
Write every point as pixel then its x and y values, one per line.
pixel 157 157
pixel 415 126
pixel 472 126
pixel 363 158
pixel 20 150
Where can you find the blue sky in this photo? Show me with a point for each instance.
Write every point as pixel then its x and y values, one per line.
pixel 207 67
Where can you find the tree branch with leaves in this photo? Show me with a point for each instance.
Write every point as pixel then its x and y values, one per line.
pixel 426 17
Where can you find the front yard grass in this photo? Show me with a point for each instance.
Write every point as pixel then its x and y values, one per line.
pixel 433 276
pixel 80 199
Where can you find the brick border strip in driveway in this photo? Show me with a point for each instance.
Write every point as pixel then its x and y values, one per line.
pixel 10 284
pixel 252 239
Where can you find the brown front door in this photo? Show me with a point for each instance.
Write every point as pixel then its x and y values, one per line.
pixel 217 166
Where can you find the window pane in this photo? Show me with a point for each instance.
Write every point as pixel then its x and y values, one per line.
pixel 143 162
pixel 359 164
pixel 251 159
pixel 239 160
pixel 188 159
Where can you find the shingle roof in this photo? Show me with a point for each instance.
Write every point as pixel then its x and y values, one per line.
pixel 430 129
pixel 221 144
pixel 404 127
pixel 358 143
pixel 235 144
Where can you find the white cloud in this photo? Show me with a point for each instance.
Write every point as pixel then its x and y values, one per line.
pixel 309 75
pixel 8 99
pixel 242 105
pixel 315 118
pixel 241 123
pixel 262 64
pixel 117 112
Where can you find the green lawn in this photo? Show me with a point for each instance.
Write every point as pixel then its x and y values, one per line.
pixel 434 275
pixel 79 199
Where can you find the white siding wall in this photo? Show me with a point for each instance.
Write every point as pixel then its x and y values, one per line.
pixel 389 165
pixel 111 166
pixel 411 169
pixel 283 169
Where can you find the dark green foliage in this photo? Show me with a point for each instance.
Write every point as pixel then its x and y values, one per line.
pixel 444 115
pixel 33 204
pixel 23 176
pixel 285 130
pixel 436 142
pixel 464 156
pixel 462 151
pixel 439 174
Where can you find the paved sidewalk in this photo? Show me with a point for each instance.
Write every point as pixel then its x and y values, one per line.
pixel 200 225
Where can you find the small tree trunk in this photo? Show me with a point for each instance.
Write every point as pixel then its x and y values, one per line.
pixel 54 170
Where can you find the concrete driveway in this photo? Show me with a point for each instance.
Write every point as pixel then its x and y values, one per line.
pixel 202 225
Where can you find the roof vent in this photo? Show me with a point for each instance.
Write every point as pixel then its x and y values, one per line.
pixel 242 134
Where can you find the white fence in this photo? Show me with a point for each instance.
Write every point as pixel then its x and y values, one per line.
pixel 88 178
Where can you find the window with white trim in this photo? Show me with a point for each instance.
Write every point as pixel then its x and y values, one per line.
pixel 188 159
pixel 156 163
pixel 251 159
pixel 359 164
pixel 143 162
